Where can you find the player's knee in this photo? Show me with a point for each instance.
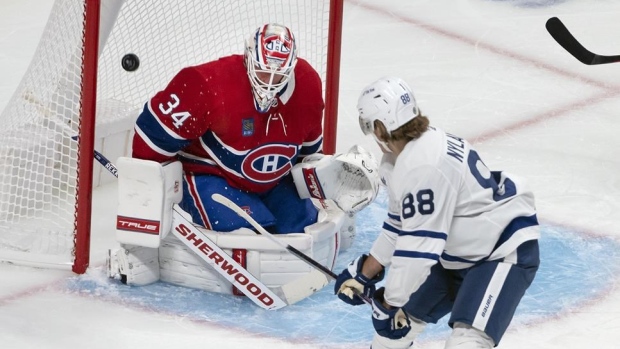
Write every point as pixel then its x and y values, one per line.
pixel 380 342
pixel 466 337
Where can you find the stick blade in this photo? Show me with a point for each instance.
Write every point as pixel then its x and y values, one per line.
pixel 562 36
pixel 303 287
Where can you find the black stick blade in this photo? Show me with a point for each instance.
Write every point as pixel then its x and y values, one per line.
pixel 562 36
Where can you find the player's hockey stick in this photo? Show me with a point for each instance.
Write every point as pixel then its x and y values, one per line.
pixel 560 33
pixel 290 293
pixel 238 210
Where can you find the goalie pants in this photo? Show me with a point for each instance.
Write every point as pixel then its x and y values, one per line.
pixel 279 210
pixel 484 296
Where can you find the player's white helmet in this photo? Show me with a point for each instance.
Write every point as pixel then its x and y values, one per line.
pixel 270 58
pixel 388 100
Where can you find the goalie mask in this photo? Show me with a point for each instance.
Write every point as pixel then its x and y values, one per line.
pixel 270 58
pixel 388 100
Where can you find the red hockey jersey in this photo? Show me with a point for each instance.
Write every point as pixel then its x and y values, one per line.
pixel 206 118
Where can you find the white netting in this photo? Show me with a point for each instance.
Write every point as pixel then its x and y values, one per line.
pixel 38 166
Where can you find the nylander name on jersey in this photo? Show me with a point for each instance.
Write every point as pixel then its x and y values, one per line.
pixel 206 118
pixel 455 146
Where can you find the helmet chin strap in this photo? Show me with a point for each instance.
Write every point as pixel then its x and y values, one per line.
pixel 382 144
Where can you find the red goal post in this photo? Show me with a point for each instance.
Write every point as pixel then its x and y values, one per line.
pixel 77 89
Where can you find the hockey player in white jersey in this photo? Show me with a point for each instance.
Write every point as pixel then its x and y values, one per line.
pixel 458 239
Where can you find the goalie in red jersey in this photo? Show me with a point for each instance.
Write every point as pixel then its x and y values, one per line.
pixel 238 125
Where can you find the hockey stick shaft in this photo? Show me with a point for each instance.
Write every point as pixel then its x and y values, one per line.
pixel 239 211
pixel 562 36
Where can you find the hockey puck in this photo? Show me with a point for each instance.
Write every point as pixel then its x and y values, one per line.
pixel 130 62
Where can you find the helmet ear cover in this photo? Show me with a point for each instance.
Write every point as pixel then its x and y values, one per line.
pixel 270 59
pixel 389 100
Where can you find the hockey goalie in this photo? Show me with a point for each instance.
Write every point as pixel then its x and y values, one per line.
pixel 159 240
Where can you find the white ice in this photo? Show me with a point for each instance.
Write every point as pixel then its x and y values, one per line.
pixel 485 70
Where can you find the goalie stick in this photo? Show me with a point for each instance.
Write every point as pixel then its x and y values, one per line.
pixel 239 211
pixel 562 36
pixel 265 297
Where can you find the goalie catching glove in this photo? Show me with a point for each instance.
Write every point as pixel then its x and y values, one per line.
pixel 350 179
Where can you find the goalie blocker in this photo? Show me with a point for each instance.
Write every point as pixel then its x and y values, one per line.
pixel 148 253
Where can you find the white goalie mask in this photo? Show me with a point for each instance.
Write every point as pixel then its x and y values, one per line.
pixel 388 100
pixel 270 58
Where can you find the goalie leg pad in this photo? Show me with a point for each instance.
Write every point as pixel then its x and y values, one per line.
pixel 180 266
pixel 265 260
pixel 146 192
pixel 325 232
pixel 134 265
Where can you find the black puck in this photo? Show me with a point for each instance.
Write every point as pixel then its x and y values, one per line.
pixel 130 62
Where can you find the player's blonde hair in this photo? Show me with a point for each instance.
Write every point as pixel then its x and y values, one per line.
pixel 411 130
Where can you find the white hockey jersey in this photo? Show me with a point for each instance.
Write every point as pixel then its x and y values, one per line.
pixel 446 206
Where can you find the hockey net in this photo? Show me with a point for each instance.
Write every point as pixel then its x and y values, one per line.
pixel 46 171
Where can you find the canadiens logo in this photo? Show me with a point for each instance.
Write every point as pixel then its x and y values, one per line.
pixel 269 162
pixel 274 45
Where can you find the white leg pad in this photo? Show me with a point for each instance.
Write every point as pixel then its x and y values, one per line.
pixel 325 233
pixel 466 337
pixel 180 266
pixel 134 265
pixel 379 342
pixel 264 259
pixel 146 192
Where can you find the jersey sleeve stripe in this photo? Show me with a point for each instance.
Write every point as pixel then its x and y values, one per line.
pixel 390 228
pixel 152 145
pixel 394 217
pixel 424 233
pixel 450 258
pixel 308 148
pixel 514 226
pixel 187 157
pixel 165 128
pixel 416 254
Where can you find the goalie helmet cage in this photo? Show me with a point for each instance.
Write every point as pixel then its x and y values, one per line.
pixel 46 176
